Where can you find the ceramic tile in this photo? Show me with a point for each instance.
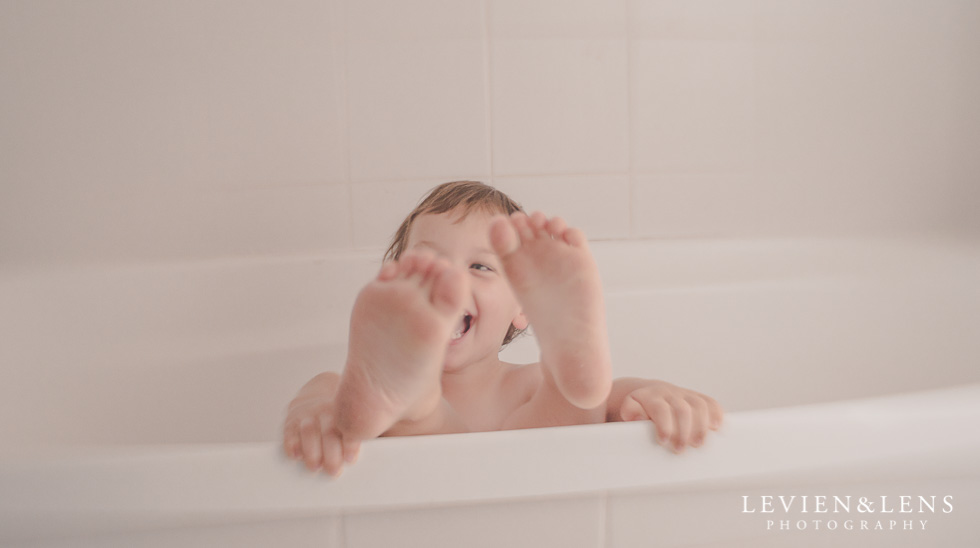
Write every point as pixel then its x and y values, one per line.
pixel 226 94
pixel 712 205
pixel 596 204
pixel 416 83
pixel 102 224
pixel 379 208
pixel 415 20
pixel 693 105
pixel 575 19
pixel 124 132
pixel 860 117
pixel 294 220
pixel 570 117
pixel 559 88
pixel 687 20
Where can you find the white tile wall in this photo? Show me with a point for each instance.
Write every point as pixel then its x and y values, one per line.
pixel 692 105
pixel 378 208
pixel 596 204
pixel 121 121
pixel 180 131
pixel 559 99
pixel 710 205
pixel 692 87
pixel 416 89
pixel 228 93
pixel 704 20
pixel 861 113
pixel 101 223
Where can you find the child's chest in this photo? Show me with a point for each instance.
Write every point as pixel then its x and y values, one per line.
pixel 485 408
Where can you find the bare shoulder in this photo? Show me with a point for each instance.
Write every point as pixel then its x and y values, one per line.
pixel 522 380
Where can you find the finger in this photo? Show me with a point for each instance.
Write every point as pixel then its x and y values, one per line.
pixel 309 433
pixel 699 419
pixel 660 413
pixel 682 420
pixel 333 461
pixel 290 441
pixel 352 450
pixel 716 413
pixel 631 410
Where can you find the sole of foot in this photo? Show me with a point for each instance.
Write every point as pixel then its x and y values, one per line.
pixel 554 276
pixel 401 325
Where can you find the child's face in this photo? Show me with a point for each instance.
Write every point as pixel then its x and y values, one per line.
pixel 491 303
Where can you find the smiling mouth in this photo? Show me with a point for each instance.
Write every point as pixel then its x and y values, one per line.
pixel 463 327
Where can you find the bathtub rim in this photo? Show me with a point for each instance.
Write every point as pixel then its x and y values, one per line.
pixel 94 490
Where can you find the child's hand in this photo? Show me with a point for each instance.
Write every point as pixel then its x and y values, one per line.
pixel 682 416
pixel 309 435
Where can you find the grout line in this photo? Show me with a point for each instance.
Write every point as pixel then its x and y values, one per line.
pixel 565 175
pixel 630 223
pixel 432 180
pixel 604 540
pixel 630 228
pixel 488 87
pixel 478 176
pixel 342 532
pixel 345 83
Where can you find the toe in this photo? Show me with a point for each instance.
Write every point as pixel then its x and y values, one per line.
pixel 503 237
pixel 416 264
pixel 407 264
pixel 388 271
pixel 555 227
pixel 448 289
pixel 437 265
pixel 425 264
pixel 522 226
pixel 574 237
pixel 537 222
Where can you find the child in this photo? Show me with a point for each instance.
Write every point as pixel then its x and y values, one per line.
pixel 466 273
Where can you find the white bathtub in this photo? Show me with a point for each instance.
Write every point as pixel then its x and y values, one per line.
pixel 848 368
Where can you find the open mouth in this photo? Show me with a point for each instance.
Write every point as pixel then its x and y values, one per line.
pixel 463 327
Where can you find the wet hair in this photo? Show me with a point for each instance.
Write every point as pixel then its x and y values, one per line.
pixel 461 196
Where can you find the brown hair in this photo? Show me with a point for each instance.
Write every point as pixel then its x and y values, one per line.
pixel 465 196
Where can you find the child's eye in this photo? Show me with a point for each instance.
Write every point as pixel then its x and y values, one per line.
pixel 481 267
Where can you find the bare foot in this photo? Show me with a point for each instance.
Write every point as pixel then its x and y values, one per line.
pixel 400 328
pixel 556 281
